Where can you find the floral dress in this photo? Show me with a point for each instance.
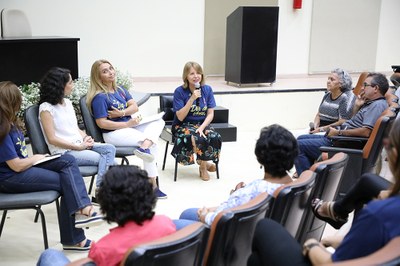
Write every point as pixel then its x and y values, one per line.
pixel 207 149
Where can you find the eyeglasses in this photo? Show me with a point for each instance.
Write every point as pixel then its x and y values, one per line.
pixel 366 85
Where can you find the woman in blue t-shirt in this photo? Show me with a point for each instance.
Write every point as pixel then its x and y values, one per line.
pixel 194 105
pixel 20 173
pixel 117 115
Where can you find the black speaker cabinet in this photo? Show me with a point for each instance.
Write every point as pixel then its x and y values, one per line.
pixel 251 44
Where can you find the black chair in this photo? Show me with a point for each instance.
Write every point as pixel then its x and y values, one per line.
pixel 290 202
pixel 93 130
pixel 30 200
pixel 39 144
pixel 329 174
pixel 166 105
pixel 362 160
pixel 231 233
pixel 184 247
pixel 389 255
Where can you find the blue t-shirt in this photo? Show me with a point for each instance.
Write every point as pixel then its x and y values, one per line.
pixel 376 225
pixel 13 146
pixel 196 114
pixel 103 102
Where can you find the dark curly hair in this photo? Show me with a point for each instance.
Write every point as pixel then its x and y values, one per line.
pixel 52 85
pixel 126 194
pixel 276 149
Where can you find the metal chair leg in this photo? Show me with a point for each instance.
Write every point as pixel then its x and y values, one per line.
pixel 165 155
pixel 216 165
pixel 3 220
pixel 176 170
pixel 44 229
pixel 37 214
pixel 91 184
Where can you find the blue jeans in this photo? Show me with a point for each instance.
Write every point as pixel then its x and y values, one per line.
pixel 187 217
pixel 309 145
pixel 52 257
pixel 61 174
pixel 101 155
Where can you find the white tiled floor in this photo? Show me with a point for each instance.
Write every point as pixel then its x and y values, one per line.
pixel 21 241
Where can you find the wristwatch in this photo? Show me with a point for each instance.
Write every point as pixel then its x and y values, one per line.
pixel 340 132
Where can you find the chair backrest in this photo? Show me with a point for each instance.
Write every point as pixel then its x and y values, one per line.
pixel 90 123
pixel 360 82
pixel 389 255
pixel 166 105
pixel 329 174
pixel 374 145
pixel 35 134
pixel 231 233
pixel 14 23
pixel 184 247
pixel 290 202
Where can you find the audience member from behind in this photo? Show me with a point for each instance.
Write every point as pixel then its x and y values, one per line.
pixel 373 227
pixel 275 150
pixel 20 173
pixel 117 115
pixel 60 127
pixel 194 105
pixel 337 104
pixel 126 197
pixel 368 107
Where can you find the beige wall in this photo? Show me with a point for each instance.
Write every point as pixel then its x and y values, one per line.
pixel 215 16
pixel 347 40
pixel 154 38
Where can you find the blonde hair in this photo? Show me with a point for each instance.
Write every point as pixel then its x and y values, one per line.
pixel 186 71
pixel 96 85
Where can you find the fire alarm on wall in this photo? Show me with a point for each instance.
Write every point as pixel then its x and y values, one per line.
pixel 297 4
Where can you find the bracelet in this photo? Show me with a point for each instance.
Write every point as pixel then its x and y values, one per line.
pixel 340 132
pixel 308 247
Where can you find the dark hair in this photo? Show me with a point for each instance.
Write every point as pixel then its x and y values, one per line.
pixel 379 80
pixel 52 85
pixel 276 149
pixel 394 161
pixel 126 194
pixel 10 103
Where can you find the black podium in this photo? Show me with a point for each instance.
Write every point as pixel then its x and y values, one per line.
pixel 251 45
pixel 27 59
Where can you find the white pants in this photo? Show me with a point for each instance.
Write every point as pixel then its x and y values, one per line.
pixel 135 136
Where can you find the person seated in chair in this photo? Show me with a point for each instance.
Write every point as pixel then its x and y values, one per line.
pixel 368 107
pixel 117 115
pixel 194 105
pixel 20 173
pixel 337 104
pixel 373 227
pixel 58 120
pixel 275 150
pixel 126 197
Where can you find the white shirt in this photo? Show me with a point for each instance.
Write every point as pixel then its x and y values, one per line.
pixel 65 124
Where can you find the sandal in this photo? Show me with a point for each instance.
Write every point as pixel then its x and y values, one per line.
pixel 334 220
pixel 79 247
pixel 204 175
pixel 83 220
